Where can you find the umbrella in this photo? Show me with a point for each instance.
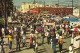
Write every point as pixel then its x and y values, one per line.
pixel 78 25
pixel 75 29
pixel 77 38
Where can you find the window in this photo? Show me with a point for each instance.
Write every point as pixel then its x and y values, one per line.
pixel 53 9
pixel 70 10
pixel 56 10
pixel 59 10
pixel 62 9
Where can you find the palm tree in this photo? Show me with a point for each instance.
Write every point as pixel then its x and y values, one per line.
pixel 9 6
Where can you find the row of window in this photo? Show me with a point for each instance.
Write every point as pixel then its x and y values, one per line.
pixel 56 10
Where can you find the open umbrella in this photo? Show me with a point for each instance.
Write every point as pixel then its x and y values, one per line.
pixel 75 29
pixel 77 38
pixel 78 25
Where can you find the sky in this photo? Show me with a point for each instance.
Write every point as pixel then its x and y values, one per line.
pixel 62 2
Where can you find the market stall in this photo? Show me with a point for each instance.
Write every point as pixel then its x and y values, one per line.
pixel 75 37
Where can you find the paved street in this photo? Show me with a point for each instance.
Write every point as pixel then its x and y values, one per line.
pixel 25 23
pixel 43 48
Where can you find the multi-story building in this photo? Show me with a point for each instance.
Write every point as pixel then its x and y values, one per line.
pixel 76 12
pixel 53 11
pixel 29 5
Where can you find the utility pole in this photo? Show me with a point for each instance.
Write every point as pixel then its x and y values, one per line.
pixel 72 3
pixel 1 7
pixel 72 7
pixel 5 14
pixel 58 2
pixel 34 1
pixel 44 5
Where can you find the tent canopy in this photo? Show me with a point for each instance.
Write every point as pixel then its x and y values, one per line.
pixel 72 19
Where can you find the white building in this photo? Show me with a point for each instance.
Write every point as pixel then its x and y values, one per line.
pixel 76 12
pixel 29 5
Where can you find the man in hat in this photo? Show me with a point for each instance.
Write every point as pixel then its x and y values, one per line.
pixel 60 41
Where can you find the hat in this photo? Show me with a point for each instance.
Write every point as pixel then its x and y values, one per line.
pixel 60 36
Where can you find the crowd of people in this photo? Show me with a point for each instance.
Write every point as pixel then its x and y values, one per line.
pixel 53 33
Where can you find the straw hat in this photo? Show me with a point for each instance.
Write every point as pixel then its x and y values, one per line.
pixel 60 36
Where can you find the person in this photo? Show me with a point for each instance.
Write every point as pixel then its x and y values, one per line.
pixel 48 37
pixel 51 42
pixel 42 36
pixel 71 50
pixel 34 42
pixel 36 34
pixel 63 33
pixel 54 44
pixel 18 40
pixel 34 27
pixel 57 37
pixel 10 41
pixel 2 36
pixel 2 43
pixel 3 32
pixel 36 47
pixel 60 41
pixel 31 40
pixel 24 37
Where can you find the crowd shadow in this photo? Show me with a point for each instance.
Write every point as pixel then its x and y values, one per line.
pixel 41 50
pixel 63 50
pixel 39 44
pixel 20 50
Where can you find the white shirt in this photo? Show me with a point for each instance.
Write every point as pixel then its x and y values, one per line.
pixel 62 25
pixel 36 46
pixel 44 20
pixel 70 49
pixel 21 32
pixel 57 36
pixel 63 31
pixel 15 29
pixel 21 27
pixel 2 29
pixel 66 26
pixel 46 34
pixel 32 34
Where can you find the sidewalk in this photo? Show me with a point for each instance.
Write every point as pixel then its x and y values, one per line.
pixel 5 45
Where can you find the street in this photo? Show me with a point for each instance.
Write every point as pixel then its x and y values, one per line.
pixel 39 26
pixel 43 48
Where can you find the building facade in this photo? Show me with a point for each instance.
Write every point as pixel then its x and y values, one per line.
pixel 29 5
pixel 76 12
pixel 53 11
